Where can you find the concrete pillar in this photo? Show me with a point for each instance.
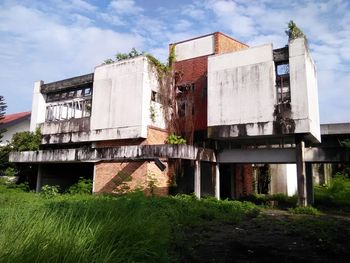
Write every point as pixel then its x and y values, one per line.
pixel 94 179
pixel 301 173
pixel 309 184
pixel 39 178
pixel 217 181
pixel 38 106
pixel 197 178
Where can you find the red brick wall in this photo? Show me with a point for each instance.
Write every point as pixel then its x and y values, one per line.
pixel 243 180
pixel 118 177
pixel 195 71
pixel 225 44
pixel 156 135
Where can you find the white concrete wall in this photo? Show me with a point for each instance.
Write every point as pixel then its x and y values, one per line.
pixel 241 89
pixel 22 126
pixel 38 106
pixel 292 186
pixel 121 100
pixel 283 179
pixel 304 94
pixel 195 48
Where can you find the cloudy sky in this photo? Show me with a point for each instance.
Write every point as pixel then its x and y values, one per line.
pixel 56 39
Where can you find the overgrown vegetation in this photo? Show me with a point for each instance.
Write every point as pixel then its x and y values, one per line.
pixel 308 210
pixel 21 141
pixel 83 186
pixel 293 31
pixel 86 228
pixel 175 139
pixel 279 200
pixel 336 195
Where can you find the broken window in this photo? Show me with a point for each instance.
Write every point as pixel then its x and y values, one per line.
pixel 155 96
pixel 283 83
pixel 281 59
pixel 183 88
pixel 68 104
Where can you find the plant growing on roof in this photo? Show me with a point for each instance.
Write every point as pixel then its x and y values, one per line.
pixel 293 31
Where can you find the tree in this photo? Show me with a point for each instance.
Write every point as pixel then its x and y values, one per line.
pixel 293 31
pixel 3 107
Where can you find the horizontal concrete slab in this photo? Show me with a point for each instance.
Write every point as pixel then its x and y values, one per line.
pixel 287 155
pixel 122 153
pixel 257 156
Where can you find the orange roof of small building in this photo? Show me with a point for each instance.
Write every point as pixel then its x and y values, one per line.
pixel 15 116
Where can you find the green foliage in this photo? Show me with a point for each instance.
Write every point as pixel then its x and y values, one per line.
pixel 293 31
pixel 3 107
pixel 152 113
pixel 26 141
pixel 108 61
pixel 83 186
pixel 10 171
pixel 172 57
pixel 308 210
pixel 90 228
pixel 345 143
pixel 336 195
pixel 175 139
pixel 160 67
pixel 49 191
pixel 123 56
pixel 278 200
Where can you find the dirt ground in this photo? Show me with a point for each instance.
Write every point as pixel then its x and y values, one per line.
pixel 274 236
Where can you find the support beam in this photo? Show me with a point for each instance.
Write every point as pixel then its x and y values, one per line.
pixel 39 178
pixel 309 184
pixel 197 179
pixel 217 181
pixel 301 173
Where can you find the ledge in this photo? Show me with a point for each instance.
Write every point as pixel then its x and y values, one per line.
pixel 121 153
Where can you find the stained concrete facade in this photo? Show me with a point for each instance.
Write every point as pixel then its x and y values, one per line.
pixel 249 111
pixel 243 97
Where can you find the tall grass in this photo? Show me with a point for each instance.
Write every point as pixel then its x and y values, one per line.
pixel 82 228
pixel 336 195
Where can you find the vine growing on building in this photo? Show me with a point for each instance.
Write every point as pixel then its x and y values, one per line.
pixel 178 109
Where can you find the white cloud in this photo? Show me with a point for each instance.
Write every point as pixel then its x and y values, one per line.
pixel 182 25
pixel 83 5
pixel 111 19
pixel 39 47
pixel 125 7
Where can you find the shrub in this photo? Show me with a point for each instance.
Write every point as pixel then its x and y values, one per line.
pixel 49 191
pixel 308 210
pixel 278 200
pixel 83 186
pixel 336 195
pixel 175 139
pixel 10 171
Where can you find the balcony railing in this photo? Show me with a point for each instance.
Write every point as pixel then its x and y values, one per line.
pixel 68 109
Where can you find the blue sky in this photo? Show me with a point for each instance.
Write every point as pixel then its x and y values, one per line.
pixel 55 39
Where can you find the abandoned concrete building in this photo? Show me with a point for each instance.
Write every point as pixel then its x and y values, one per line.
pixel 250 106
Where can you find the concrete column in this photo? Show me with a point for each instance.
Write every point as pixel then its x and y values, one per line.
pixel 38 106
pixel 197 178
pixel 94 179
pixel 301 174
pixel 217 181
pixel 39 178
pixel 309 184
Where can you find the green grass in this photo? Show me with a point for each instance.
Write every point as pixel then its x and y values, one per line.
pixel 85 228
pixel 335 196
